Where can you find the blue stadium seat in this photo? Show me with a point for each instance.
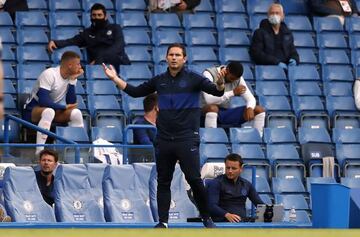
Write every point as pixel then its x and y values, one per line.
pixel 32 53
pixel 298 23
pixel 244 135
pixel 5 19
pixel 355 60
pixel 6 35
pixel 352 25
pixel 354 41
pixel 95 173
pixel 254 21
pixel 305 104
pixel 32 36
pixel 64 5
pixel 275 103
pixel 10 104
pixel 337 73
pixel 327 24
pixel 29 206
pixel 269 72
pixel 63 33
pixel 240 54
pixel 135 72
pixel 248 74
pixel 181 207
pixel 73 197
pixel 307 56
pixel 8 87
pixel 8 53
pixel 138 54
pixel 133 107
pixel 303 88
pixel 307 135
pixel 87 4
pixel 229 6
pixel 294 7
pixel 101 87
pixel 292 200
pixel 199 20
pixel 8 70
pixel 162 67
pixel 212 153
pixel 262 185
pixel 123 202
pixel 164 20
pixel 346 135
pixel 143 171
pixel 204 6
pixel 333 56
pixel 37 5
pixel 231 21
pixel 331 40
pixel 56 55
pixel 347 154
pixel 303 72
pixel 159 54
pixel 233 38
pixel 25 86
pixel 29 71
pixel 110 134
pixel 351 182
pixel 94 72
pixel 287 186
pixel 303 39
pixel 131 20
pixel 198 67
pixel 201 54
pixel 133 5
pixel 271 88
pixel 101 105
pixel 30 19
pixel 258 6
pixel 338 104
pixel 338 88
pixel 279 135
pixel 249 152
pixel 136 36
pixel 282 153
pixel 64 19
pixel 200 37
pixel 166 37
pixel 213 135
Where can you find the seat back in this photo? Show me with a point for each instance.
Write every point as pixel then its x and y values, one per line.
pixel 95 174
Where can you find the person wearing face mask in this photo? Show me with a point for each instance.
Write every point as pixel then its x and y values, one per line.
pixel 104 42
pixel 273 42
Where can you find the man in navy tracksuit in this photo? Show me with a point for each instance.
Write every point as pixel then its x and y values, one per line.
pixel 178 124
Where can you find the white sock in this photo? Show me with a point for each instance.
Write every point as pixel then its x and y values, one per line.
pixel 259 122
pixel 47 116
pixel 211 120
pixel 76 118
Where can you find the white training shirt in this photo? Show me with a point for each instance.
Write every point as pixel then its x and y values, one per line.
pixel 357 93
pixel 224 101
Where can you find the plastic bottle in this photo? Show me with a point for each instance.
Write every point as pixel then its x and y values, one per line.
pixel 292 215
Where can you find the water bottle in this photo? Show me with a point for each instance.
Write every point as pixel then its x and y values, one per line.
pixel 292 215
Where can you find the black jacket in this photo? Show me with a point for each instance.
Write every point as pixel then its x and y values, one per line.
pixel 104 45
pixel 262 48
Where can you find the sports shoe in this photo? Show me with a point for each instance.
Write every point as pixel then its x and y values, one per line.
pixel 208 223
pixel 161 225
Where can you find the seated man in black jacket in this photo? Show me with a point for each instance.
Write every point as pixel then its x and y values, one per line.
pixel 273 42
pixel 227 193
pixel 104 42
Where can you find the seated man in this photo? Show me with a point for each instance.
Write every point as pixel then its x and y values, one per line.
pixel 145 136
pixel 104 42
pixel 45 177
pixel 273 42
pixel 216 109
pixel 53 97
pixel 227 193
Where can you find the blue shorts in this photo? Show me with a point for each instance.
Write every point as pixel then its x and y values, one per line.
pixel 232 116
pixel 28 109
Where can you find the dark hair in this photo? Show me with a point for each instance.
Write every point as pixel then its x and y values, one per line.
pixel 150 102
pixel 234 157
pixel 177 45
pixel 98 6
pixel 49 152
pixel 69 55
pixel 235 68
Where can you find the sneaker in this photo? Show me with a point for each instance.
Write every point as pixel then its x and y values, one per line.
pixel 161 225
pixel 208 223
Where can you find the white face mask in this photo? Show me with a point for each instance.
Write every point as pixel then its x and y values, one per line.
pixel 274 19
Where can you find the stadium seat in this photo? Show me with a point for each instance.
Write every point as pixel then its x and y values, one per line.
pixel 133 107
pixel 142 171
pixel 93 72
pixel 10 104
pixel 201 54
pixel 351 182
pixel 333 56
pixel 275 103
pixel 303 72
pixel 37 5
pixel 240 54
pixel 25 87
pixel 292 200
pixel 64 5
pixel 29 71
pixel 271 72
pixel 123 202
pixel 110 134
pixel 213 135
pixel 298 7
pixel 159 54
pixel 164 20
pixel 6 35
pixel 212 153
pixel 134 5
pixel 331 40
pixel 135 72
pixel 307 135
pixel 64 20
pixel 138 54
pixel 63 33
pixel 136 36
pixel 5 19
pixel 32 53
pixel 265 88
pixel 222 6
pixel 354 41
pixel 30 19
pixel 346 135
pixel 102 105
pixel 231 21
pixel 347 122
pixel 233 37
pixel 32 36
pixel 199 37
pixel 287 186
pixel 74 201
pixel 204 6
pixel 303 39
pixel 254 21
pixel 307 104
pixel 298 23
pixel 8 70
pixel 337 73
pixel 307 56
pixel 8 87
pixel 101 87
pixel 56 55
pixel 305 88
pixel 131 20
pixel 199 20
pixel 87 4
pixel 245 135
pixel 8 53
pixel 95 173
pixel 262 185
pixel 338 104
pixel 352 25
pixel 258 6
pixel 181 207
pixel 166 37
pixel 22 197
pixel 347 154
pixel 327 24
pixel 279 135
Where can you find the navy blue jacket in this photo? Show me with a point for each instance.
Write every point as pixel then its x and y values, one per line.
pixel 262 48
pixel 104 45
pixel 144 136
pixel 226 196
pixel 179 102
pixel 46 191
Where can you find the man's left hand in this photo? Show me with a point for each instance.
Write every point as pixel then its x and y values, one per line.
pixel 249 114
pixel 76 75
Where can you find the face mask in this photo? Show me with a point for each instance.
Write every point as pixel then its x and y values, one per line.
pixel 274 19
pixel 98 23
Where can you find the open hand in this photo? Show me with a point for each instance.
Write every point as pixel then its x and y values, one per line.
pixel 232 217
pixel 110 72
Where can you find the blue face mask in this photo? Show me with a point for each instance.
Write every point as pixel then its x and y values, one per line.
pixel 274 19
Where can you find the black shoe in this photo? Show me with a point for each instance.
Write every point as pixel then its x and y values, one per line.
pixel 208 223
pixel 161 225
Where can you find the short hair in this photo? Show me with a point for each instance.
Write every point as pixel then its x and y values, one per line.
pixel 234 157
pixel 150 102
pixel 98 6
pixel 276 5
pixel 49 152
pixel 68 55
pixel 235 68
pixel 177 45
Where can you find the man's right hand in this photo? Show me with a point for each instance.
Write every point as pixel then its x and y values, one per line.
pixel 110 71
pixel 52 46
pixel 71 106
pixel 239 90
pixel 232 217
